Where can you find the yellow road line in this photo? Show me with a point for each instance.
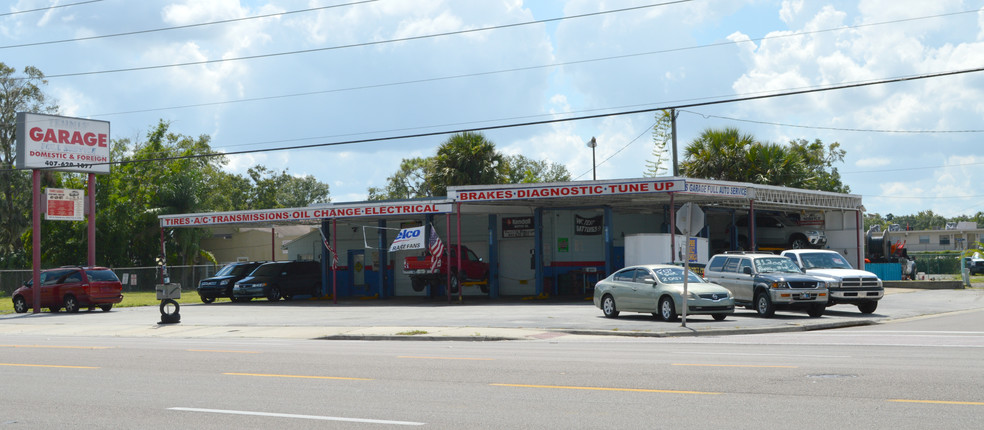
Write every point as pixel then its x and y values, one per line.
pixel 297 376
pixel 638 390
pixel 47 365
pixel 446 358
pixel 222 350
pixel 734 365
pixel 938 402
pixel 55 346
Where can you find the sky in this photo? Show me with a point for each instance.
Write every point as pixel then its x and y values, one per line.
pixel 362 85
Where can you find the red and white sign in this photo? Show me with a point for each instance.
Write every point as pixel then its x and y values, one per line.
pixel 280 215
pixel 65 204
pixel 62 143
pixel 569 190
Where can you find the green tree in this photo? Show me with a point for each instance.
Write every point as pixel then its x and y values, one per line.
pixel 729 155
pixel 522 169
pixel 17 94
pixel 410 181
pixel 282 190
pixel 466 159
pixel 662 134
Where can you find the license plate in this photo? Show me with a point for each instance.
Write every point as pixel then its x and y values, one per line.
pixel 806 295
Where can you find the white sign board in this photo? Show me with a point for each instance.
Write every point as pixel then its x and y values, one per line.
pixel 62 143
pixel 64 204
pixel 408 239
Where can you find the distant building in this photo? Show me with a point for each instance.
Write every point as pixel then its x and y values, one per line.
pixel 230 244
pixel 958 236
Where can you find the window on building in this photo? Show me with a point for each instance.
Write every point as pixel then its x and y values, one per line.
pixel 924 240
pixel 944 239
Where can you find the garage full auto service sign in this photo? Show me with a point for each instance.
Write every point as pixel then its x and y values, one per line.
pixel 62 143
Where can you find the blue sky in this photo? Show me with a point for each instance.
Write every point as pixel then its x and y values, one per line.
pixel 911 146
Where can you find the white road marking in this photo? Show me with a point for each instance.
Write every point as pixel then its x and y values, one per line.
pixel 306 417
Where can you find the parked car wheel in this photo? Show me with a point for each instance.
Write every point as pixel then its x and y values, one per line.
pixel 418 284
pixel 274 294
pixel 867 307
pixel 20 305
pixel 720 317
pixel 764 306
pixel 454 283
pixel 667 310
pixel 799 242
pixel 106 307
pixel 207 299
pixel 608 307
pixel 71 304
pixel 485 284
pixel 816 311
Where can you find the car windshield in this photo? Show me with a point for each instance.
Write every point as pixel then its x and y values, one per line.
pixel 101 275
pixel 674 275
pixel 775 265
pixel 235 269
pixel 824 260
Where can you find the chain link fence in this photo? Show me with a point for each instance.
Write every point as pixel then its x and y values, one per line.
pixel 133 278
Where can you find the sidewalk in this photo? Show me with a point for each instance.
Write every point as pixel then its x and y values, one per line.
pixel 477 319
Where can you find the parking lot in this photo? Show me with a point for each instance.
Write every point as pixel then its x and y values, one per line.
pixel 474 319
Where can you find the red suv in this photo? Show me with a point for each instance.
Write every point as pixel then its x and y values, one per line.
pixel 72 288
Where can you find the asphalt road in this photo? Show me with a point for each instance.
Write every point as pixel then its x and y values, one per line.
pixel 922 372
pixel 916 363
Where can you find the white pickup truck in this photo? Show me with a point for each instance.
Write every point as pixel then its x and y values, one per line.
pixel 845 283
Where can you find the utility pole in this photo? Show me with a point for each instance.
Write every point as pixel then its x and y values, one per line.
pixel 673 117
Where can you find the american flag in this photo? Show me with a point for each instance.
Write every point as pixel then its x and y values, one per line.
pixel 436 249
pixel 334 255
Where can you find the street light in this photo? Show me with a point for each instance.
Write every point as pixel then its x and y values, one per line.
pixel 592 144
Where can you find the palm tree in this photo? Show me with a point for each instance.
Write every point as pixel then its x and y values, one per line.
pixel 716 154
pixel 466 159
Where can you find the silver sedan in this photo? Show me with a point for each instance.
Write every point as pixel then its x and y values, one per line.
pixel 658 289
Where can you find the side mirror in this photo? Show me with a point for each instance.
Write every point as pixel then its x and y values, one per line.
pixel 747 271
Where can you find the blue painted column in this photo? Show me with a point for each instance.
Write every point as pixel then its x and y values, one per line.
pixel 538 249
pixel 609 241
pixel 493 257
pixel 383 259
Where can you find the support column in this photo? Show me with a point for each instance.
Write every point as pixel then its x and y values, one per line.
pixel 92 218
pixel 383 259
pixel 609 240
pixel 493 280
pixel 36 238
pixel 538 250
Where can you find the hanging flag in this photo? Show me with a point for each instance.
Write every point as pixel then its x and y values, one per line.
pixel 436 249
pixel 334 255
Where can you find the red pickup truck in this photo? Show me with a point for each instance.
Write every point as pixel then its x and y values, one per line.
pixel 418 268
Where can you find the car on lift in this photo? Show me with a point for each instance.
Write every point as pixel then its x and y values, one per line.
pixel 72 288
pixel 766 282
pixel 279 280
pixel 779 231
pixel 220 285
pixel 658 289
pixel 845 283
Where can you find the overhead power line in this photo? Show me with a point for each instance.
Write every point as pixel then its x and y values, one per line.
pixel 362 44
pixel 179 27
pixel 558 120
pixel 49 8
pixel 816 127
pixel 510 70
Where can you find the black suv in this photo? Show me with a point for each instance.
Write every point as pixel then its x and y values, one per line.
pixel 279 280
pixel 221 284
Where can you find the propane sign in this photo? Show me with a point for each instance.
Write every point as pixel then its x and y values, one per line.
pixel 62 143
